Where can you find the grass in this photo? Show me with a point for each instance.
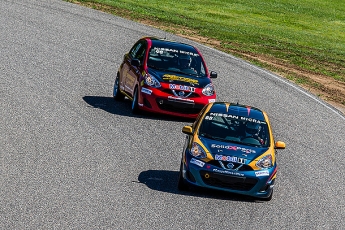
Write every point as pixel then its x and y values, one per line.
pixel 294 38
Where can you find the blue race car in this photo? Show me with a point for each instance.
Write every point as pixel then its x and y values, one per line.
pixel 230 147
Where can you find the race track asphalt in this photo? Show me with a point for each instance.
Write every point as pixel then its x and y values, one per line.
pixel 72 158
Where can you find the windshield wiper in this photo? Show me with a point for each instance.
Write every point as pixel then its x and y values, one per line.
pixel 155 67
pixel 233 141
pixel 175 70
pixel 211 137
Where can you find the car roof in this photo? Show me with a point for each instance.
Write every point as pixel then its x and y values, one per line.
pixel 170 44
pixel 237 110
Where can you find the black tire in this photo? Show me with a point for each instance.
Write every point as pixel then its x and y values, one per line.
pixel 182 184
pixel 268 198
pixel 135 106
pixel 117 95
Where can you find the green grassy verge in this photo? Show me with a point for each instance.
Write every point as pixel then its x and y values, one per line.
pixel 306 36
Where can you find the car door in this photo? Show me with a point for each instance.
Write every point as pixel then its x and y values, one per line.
pixel 123 70
pixel 134 72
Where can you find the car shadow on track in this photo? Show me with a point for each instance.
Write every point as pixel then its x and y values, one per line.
pixel 166 181
pixel 123 108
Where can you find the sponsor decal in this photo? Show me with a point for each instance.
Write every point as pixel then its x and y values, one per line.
pixel 197 162
pixel 252 120
pixel 262 173
pixel 229 159
pixel 180 99
pixel 228 172
pixel 147 91
pixel 241 118
pixel 170 77
pixel 211 100
pixel 162 50
pixel 189 53
pixel 182 87
pixel 208 118
pixel 231 147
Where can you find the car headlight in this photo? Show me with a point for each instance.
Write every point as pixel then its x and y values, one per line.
pixel 197 151
pixel 152 81
pixel 208 90
pixel 265 162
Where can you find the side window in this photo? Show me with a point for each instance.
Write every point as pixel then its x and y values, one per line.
pixel 202 70
pixel 138 51
pixel 199 67
pixel 135 49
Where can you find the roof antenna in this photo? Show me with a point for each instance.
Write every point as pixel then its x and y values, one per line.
pixel 237 102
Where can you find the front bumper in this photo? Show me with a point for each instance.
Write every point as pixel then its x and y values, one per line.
pixel 240 182
pixel 155 100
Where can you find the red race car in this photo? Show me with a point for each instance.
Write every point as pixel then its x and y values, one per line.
pixel 165 77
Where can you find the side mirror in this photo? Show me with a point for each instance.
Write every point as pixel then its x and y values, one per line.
pixel 279 145
pixel 213 74
pixel 135 62
pixel 187 130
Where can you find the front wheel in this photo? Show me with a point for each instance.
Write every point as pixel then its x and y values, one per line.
pixel 135 105
pixel 117 95
pixel 181 184
pixel 268 198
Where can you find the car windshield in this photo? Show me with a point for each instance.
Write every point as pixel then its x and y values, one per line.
pixel 176 60
pixel 235 129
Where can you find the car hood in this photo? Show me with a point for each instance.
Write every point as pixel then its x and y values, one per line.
pixel 178 78
pixel 232 149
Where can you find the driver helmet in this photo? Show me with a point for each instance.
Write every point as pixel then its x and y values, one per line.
pixel 252 128
pixel 184 61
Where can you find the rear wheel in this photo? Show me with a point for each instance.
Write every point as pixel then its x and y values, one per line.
pixel 135 106
pixel 182 184
pixel 117 95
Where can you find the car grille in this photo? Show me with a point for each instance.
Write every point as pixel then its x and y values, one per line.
pixel 183 107
pixel 236 166
pixel 228 181
pixel 177 93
